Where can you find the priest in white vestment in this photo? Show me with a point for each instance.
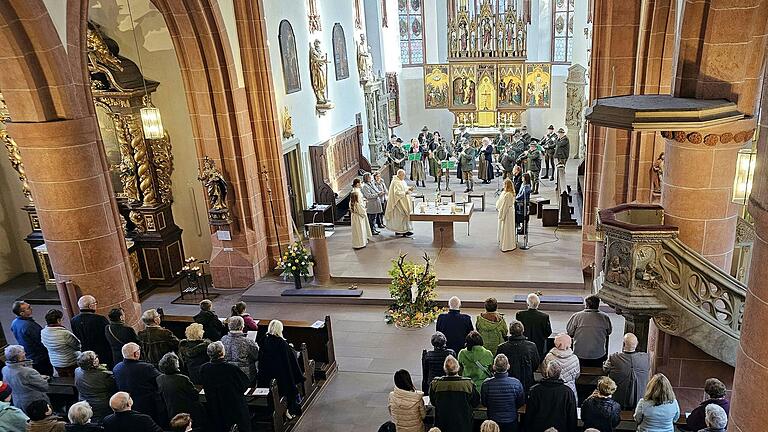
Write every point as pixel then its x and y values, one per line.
pixel 361 228
pixel 399 206
pixel 507 234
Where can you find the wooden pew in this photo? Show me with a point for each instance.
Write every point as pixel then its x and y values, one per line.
pixel 319 341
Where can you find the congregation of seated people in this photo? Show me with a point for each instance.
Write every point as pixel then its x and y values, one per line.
pixel 146 381
pixel 493 365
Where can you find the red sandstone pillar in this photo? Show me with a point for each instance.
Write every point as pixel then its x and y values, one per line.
pixel 65 169
pixel 698 186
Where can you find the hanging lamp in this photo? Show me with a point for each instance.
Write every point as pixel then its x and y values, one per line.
pixel 151 121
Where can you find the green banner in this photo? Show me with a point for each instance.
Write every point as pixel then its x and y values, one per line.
pixel 448 164
pixel 414 156
pixel 407 147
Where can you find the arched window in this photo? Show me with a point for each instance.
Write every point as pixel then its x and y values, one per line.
pixel 340 53
pixel 289 58
pixel 411 17
pixel 562 31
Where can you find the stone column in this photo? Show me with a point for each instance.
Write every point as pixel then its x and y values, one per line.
pixel 698 185
pixel 68 175
pixel 574 108
pixel 750 386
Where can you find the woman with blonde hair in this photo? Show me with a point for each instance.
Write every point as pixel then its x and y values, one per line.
pixel 507 229
pixel 192 351
pixel 658 410
pixel 563 354
pixel 278 361
pixel 600 411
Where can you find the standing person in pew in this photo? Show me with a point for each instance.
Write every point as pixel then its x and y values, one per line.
pixel 27 334
pixel 590 329
pixel 239 310
pixel 658 410
pixel 491 325
pixel 63 346
pixel 537 325
pixel 599 411
pixel 715 390
pixel 241 351
pixel 406 404
pixel 501 394
pixel 94 384
pixel 522 354
pixel 455 325
pixel 139 378
pixel 193 351
pixel 41 418
pixel 154 340
pixel 569 363
pixel 89 327
pixel 278 361
pixel 118 334
pixel 12 419
pixel 551 404
pixel 454 398
pixel 224 385
pixel 630 370
pixel 125 419
pixel 213 328
pixel 80 416
pixel 716 419
pixel 432 361
pixel 27 384
pixel 177 391
pixel 475 360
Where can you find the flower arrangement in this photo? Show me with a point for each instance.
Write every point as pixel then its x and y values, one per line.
pixel 296 260
pixel 413 292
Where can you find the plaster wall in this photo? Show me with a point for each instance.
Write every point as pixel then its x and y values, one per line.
pixel 15 254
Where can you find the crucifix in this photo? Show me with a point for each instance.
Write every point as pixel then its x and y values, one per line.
pixel 486 97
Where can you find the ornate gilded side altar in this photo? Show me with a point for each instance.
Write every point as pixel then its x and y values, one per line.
pixel 487 83
pixel 140 168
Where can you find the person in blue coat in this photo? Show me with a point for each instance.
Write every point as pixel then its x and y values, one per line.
pixel 27 334
pixel 501 394
pixel 455 325
pixel 139 379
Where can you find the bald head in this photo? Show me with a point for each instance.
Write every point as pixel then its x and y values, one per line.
pixel 630 342
pixel 120 401
pixel 86 302
pixel 131 351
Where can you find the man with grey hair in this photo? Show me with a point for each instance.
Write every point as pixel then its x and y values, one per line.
pixel 630 370
pixel 551 403
pixel 240 350
pixel 139 379
pixel 538 327
pixel 27 333
pixel 523 355
pixel 155 341
pixel 432 361
pixel 455 325
pixel 224 385
pixel 27 384
pixel 454 398
pixel 213 327
pixel 89 327
pixel 125 419
pixel 501 393
pixel 716 418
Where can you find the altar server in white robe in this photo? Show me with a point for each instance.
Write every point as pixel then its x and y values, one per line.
pixel 399 206
pixel 507 235
pixel 361 228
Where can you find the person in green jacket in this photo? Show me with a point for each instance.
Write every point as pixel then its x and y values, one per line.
pixel 491 326
pixel 475 359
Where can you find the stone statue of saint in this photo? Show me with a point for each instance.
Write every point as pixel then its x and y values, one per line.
pixel 215 185
pixel 318 69
pixel 658 174
pixel 364 63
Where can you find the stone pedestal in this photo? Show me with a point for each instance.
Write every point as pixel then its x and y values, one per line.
pixel 697 187
pixel 574 107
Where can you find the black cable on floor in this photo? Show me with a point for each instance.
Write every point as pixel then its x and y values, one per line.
pixel 557 239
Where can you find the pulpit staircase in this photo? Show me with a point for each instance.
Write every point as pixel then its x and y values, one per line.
pixel 649 272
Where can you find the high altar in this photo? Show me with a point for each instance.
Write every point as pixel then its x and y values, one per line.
pixel 487 84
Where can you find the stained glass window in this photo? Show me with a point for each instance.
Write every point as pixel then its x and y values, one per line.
pixel 562 31
pixel 411 27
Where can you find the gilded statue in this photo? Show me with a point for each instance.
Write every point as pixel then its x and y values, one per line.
pixel 98 51
pixel 318 68
pixel 364 64
pixel 287 121
pixel 215 185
